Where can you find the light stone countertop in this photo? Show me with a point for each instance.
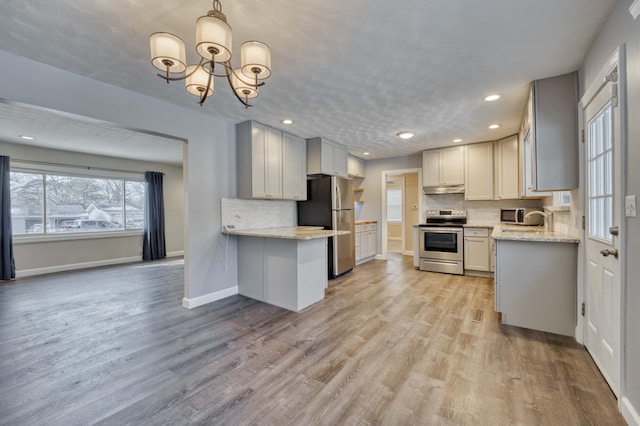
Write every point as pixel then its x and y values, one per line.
pixel 289 232
pixel 531 233
pixel 480 225
pixel 365 222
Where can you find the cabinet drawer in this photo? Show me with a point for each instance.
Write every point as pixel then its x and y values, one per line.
pixel 476 232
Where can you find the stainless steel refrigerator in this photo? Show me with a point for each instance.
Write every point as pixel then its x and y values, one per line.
pixel 330 204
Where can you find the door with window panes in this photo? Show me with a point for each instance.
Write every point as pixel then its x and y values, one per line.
pixel 602 244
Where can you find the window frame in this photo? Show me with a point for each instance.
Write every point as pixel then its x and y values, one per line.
pixel 74 171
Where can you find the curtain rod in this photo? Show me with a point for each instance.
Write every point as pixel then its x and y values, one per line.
pixel 43 163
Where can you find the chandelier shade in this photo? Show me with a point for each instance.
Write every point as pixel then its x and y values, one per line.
pixel 243 88
pixel 167 52
pixel 214 49
pixel 197 81
pixel 255 58
pixel 213 39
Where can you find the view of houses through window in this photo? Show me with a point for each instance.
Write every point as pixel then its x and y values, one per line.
pixel 46 203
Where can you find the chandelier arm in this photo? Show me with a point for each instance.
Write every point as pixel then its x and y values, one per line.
pixel 243 77
pixel 246 104
pixel 184 77
pixel 204 95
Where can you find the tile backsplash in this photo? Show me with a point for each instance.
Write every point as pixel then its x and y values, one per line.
pixel 479 212
pixel 256 214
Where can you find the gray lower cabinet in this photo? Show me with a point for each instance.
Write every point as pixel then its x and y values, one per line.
pixel 291 274
pixel 536 285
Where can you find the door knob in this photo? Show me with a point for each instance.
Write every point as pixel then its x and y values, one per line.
pixel 607 252
pixel 614 230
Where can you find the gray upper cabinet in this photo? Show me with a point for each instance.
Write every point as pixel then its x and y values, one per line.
pixel 325 157
pixel 553 133
pixel 355 167
pixel 269 164
pixel 294 170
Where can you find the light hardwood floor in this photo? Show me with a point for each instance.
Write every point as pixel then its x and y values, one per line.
pixel 389 345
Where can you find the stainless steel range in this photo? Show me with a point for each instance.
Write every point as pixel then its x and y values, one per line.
pixel 441 241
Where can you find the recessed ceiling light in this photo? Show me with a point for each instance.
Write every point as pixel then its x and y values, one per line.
pixel 287 121
pixel 29 138
pixel 494 126
pixel 457 140
pixel 492 98
pixel 405 135
pixel 365 153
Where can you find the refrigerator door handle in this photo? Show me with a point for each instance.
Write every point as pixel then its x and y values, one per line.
pixel 338 196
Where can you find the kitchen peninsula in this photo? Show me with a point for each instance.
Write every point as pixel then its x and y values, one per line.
pixel 536 278
pixel 285 266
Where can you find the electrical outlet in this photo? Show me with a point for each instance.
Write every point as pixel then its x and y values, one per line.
pixel 630 208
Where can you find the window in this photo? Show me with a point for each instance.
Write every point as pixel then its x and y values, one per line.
pixel 600 175
pixel 394 204
pixel 56 202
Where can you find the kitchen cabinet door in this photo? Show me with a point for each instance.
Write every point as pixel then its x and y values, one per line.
pixel 326 157
pixel 372 241
pixel 478 184
pixel 452 166
pixel 355 167
pixel 294 170
pixel 258 161
pixel 443 167
pixel 273 163
pixel 554 133
pixel 477 249
pixel 507 170
pixel 431 168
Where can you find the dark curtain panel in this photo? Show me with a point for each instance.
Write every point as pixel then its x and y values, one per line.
pixel 153 246
pixel 7 263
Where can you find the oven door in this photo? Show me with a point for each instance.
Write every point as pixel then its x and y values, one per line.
pixel 441 243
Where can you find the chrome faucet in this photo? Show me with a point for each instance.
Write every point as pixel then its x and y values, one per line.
pixel 547 217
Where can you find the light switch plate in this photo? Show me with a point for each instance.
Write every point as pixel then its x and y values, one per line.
pixel 630 207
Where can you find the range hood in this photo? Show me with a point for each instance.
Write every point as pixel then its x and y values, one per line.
pixel 452 189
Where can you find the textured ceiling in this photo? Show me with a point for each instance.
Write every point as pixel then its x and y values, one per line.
pixel 356 72
pixel 55 130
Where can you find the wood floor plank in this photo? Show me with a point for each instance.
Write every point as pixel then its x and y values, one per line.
pixel 389 345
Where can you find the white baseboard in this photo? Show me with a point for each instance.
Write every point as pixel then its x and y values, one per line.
pixel 629 413
pixel 408 253
pixel 178 253
pixel 379 257
pixel 75 266
pixel 208 298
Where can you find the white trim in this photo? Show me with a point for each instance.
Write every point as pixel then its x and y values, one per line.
pixel 407 253
pixel 208 298
pixel 601 79
pixel 380 257
pixel 629 413
pixel 178 253
pixel 394 238
pixel 76 266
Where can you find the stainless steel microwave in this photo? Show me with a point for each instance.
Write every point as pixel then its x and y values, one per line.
pixel 517 216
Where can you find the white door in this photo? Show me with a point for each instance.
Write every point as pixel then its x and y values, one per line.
pixel 602 272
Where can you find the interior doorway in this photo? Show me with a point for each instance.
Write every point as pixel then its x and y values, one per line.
pixel 401 198
pixel 395 214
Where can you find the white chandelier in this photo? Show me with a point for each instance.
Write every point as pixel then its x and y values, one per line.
pixel 213 45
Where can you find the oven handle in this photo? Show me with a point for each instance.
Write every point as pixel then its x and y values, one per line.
pixel 442 230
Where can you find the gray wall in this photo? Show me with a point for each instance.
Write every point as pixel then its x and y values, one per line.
pixel 209 166
pixel 620 28
pixel 38 255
